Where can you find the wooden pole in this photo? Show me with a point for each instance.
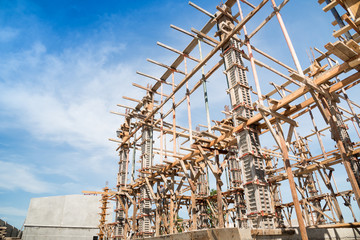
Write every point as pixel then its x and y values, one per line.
pixel 174 115
pixel 205 90
pixel 188 104
pixel 219 195
pixel 343 151
pixel 161 126
pixel 252 62
pixel 134 222
pixel 172 215
pixel 287 38
pixel 285 154
pixel 193 203
pixel 158 214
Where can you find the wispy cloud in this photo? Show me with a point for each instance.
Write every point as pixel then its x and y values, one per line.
pixel 15 176
pixel 65 97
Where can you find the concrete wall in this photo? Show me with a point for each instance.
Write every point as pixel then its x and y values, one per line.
pixel 63 217
pixel 245 234
pixel 319 234
pixel 209 234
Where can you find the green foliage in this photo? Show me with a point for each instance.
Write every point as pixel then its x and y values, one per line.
pixel 213 192
pixel 178 226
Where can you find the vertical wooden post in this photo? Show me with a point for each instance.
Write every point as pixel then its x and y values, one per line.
pixel 284 149
pixel 126 227
pixel 161 126
pixel 219 194
pixel 193 205
pixel 340 144
pixel 288 40
pixel 174 114
pixel 252 61
pixel 205 91
pixel 285 154
pixel 171 215
pixel 158 215
pixel 188 104
pixel 104 201
pixel 134 222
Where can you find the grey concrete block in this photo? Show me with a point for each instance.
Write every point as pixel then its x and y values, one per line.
pixel 64 217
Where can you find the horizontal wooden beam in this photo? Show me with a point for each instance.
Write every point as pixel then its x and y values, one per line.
pixel 154 78
pixel 165 66
pixel 201 9
pixel 177 51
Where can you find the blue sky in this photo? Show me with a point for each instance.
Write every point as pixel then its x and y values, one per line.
pixel 65 64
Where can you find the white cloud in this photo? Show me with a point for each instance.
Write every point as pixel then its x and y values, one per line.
pixel 65 97
pixel 15 176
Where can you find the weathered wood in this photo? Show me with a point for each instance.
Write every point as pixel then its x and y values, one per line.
pixel 120 114
pixel 280 116
pixel 219 197
pixel 331 5
pixel 177 51
pixel 154 78
pixel 201 9
pixel 289 173
pixel 147 89
pixel 199 158
pixel 150 189
pixel 353 7
pixel 165 66
pixel 202 35
pixel 200 65
pixel 191 35
pixel 131 99
pixel 345 29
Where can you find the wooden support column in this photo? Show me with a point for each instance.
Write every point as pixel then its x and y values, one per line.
pixel 126 223
pixel 174 114
pixel 158 214
pixel 193 201
pixel 342 148
pixel 327 182
pixel 219 195
pixel 188 104
pixel 172 208
pixel 134 222
pixel 285 154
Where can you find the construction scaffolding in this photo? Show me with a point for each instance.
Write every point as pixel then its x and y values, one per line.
pixel 175 179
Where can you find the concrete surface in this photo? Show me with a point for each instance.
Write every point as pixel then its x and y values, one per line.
pixel 213 234
pixel 319 233
pixel 245 234
pixel 63 217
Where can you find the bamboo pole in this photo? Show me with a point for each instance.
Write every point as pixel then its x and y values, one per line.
pixel 188 104
pixel 161 126
pixel 205 90
pixel 252 62
pixel 174 116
